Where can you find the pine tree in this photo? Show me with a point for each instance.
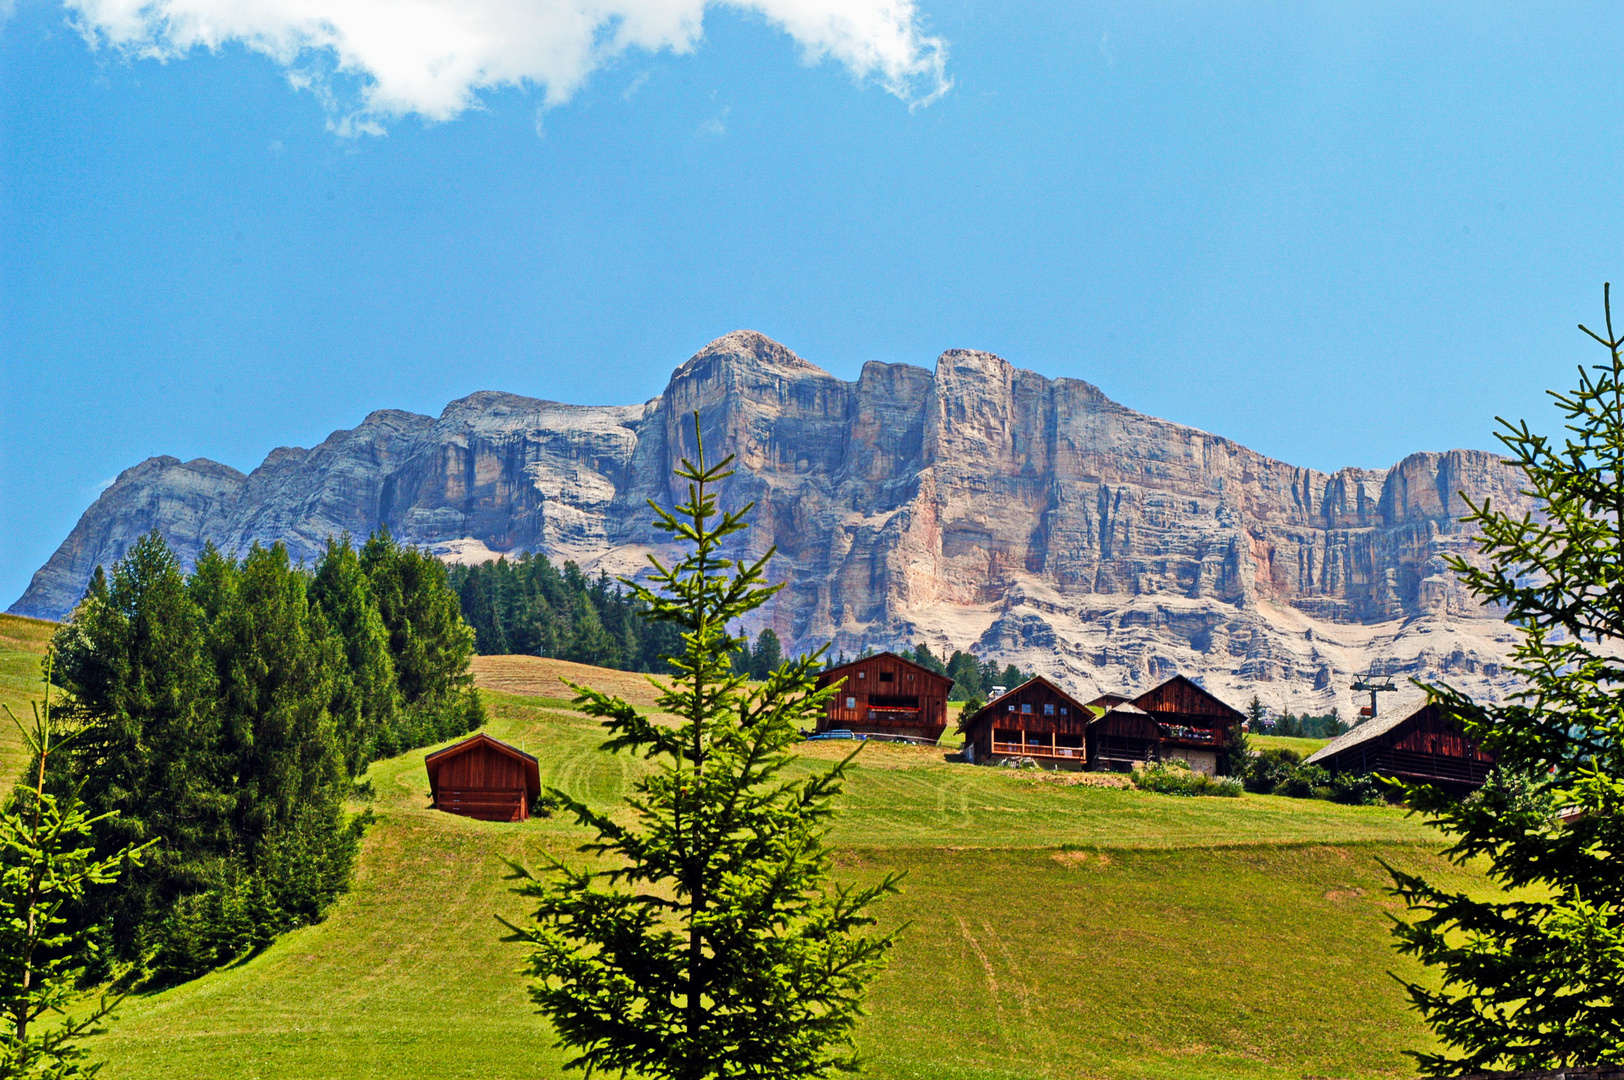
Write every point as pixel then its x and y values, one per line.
pixel 428 639
pixel 1530 978
pixel 365 699
pixel 48 860
pixel 768 654
pixel 713 945
pixel 136 659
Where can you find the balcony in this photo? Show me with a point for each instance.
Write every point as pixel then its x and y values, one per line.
pixel 1038 750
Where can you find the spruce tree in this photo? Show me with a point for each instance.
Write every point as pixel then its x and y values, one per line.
pixel 48 860
pixel 365 700
pixel 1531 978
pixel 428 640
pixel 705 940
pixel 768 654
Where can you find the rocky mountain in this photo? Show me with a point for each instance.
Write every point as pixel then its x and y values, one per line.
pixel 977 505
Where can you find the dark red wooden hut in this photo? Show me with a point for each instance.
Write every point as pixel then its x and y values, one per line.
pixel 1193 723
pixel 1037 719
pixel 1415 745
pixel 886 694
pixel 483 778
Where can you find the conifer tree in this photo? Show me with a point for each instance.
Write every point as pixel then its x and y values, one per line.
pixel 47 861
pixel 768 654
pixel 1531 978
pixel 712 944
pixel 365 700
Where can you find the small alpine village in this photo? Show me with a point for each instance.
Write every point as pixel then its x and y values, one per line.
pixel 380 815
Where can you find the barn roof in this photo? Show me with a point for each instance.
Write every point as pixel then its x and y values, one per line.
pixel 480 740
pixel 1129 714
pixel 1227 709
pixel 827 673
pixel 1374 728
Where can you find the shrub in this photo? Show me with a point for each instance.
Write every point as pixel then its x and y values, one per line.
pixel 1175 778
pixel 1358 789
pixel 1265 771
pixel 1303 782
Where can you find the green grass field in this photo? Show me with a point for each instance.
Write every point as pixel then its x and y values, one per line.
pixel 1056 929
pixel 1304 747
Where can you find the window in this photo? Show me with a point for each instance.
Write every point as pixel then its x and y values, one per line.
pixel 1062 710
pixel 1012 708
pixel 1026 708
pixel 1048 709
pixel 862 674
pixel 851 703
pixel 910 676
pixel 886 676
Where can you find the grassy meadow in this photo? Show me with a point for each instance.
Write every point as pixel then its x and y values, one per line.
pixel 1057 926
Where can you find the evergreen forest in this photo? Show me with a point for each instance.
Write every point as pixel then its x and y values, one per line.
pixel 225 714
pixel 528 605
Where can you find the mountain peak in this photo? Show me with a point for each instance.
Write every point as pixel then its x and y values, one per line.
pixel 754 349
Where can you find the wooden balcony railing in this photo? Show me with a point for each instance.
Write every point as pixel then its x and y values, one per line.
pixel 1015 749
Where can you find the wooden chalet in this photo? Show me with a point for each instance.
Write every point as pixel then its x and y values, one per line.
pixel 1418 744
pixel 484 778
pixel 1036 720
pixel 1194 725
pixel 886 694
pixel 1123 738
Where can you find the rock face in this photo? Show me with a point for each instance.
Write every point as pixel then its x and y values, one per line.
pixel 980 505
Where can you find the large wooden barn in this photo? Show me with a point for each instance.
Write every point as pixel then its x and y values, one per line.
pixel 886 694
pixel 1036 720
pixel 1418 744
pixel 1194 725
pixel 484 778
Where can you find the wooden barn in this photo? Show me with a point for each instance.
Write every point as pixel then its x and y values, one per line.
pixel 483 778
pixel 885 694
pixel 1194 724
pixel 1418 744
pixel 1124 738
pixel 1037 719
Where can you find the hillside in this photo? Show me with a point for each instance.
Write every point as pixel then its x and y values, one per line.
pixel 1056 931
pixel 977 505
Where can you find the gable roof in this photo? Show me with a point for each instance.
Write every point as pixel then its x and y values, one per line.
pixel 827 672
pixel 1082 710
pixel 1373 728
pixel 1227 709
pixel 478 740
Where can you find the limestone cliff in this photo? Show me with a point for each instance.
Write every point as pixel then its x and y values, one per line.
pixel 979 505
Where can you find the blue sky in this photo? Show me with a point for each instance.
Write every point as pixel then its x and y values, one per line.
pixel 1336 233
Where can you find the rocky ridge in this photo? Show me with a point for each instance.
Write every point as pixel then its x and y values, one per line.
pixel 977 505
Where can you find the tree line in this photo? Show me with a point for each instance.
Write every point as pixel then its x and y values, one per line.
pixel 225 713
pixel 529 605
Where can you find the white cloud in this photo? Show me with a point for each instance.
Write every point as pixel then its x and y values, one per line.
pixel 716 125
pixel 432 58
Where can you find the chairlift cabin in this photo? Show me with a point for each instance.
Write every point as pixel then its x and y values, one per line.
pixel 886 694
pixel 484 778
